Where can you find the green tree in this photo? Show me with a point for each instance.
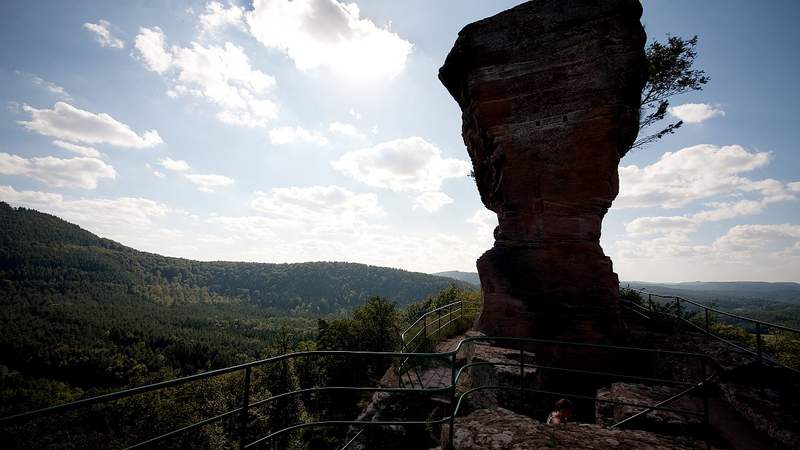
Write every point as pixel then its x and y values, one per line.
pixel 670 72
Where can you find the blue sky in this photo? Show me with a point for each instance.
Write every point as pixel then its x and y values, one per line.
pixel 310 130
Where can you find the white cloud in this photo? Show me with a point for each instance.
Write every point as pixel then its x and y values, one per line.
pixel 175 165
pixel 330 34
pixel 742 240
pixel 356 115
pixel 93 212
pixel 217 16
pixel 209 182
pixel 150 43
pixel 485 222
pixel 49 86
pixel 221 75
pixel 103 34
pixel 643 226
pixel 432 201
pixel 248 227
pixel 756 248
pixel 66 122
pixel 346 129
pixel 74 172
pixel 729 210
pixel 691 174
pixel 82 150
pixel 327 207
pixel 696 112
pixel 409 164
pixel 289 135
pixel 794 187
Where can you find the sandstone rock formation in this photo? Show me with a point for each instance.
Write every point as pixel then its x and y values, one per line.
pixel 501 429
pixel 549 92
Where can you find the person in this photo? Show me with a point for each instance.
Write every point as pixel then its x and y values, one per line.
pixel 562 413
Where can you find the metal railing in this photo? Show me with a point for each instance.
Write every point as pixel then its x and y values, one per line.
pixel 456 398
pixel 673 300
pixel 429 329
pixel 429 325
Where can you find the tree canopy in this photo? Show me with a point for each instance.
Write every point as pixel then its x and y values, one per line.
pixel 670 72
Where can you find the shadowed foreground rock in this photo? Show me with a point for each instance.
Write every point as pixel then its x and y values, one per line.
pixel 549 92
pixel 501 429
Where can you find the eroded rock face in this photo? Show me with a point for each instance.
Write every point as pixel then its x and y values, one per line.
pixel 549 92
pixel 501 429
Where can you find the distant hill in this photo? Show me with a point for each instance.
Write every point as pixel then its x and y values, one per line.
pixel 468 277
pixel 42 252
pixel 729 292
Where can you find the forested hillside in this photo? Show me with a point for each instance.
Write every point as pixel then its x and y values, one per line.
pixel 83 314
pixel 44 253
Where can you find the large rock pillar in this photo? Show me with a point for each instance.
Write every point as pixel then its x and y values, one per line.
pixel 549 92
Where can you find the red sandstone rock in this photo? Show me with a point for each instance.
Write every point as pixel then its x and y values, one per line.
pixel 549 92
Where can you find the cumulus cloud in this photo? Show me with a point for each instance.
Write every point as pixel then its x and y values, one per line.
pixel 209 182
pixel 82 150
pixel 68 123
pixel 248 227
pixel 696 112
pixel 175 165
pixel 485 222
pixel 221 75
pixel 329 34
pixel 319 206
pixel 293 135
pixel 346 129
pixel 753 246
pixel 409 164
pixel 643 226
pixel 742 239
pixel 81 173
pixel 695 174
pixel 691 174
pixel 151 47
pixel 218 16
pixel 432 201
pixel 93 212
pixel 712 181
pixel 103 34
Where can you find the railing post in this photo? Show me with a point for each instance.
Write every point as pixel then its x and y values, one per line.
pixel 758 342
pixel 706 421
pixel 438 324
pixel 452 431
pixel 707 324
pixel 678 306
pixel 425 328
pixel 521 377
pixel 245 406
pixel 650 301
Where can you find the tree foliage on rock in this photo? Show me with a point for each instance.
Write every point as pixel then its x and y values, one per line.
pixel 670 72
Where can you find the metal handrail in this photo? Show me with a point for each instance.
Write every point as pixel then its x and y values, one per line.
pixel 758 353
pixel 455 399
pixel 714 310
pixel 458 307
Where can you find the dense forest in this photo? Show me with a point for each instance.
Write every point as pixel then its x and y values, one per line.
pixel 82 315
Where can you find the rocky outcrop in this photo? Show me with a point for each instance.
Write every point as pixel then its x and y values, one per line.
pixel 608 414
pixel 549 92
pixel 500 429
